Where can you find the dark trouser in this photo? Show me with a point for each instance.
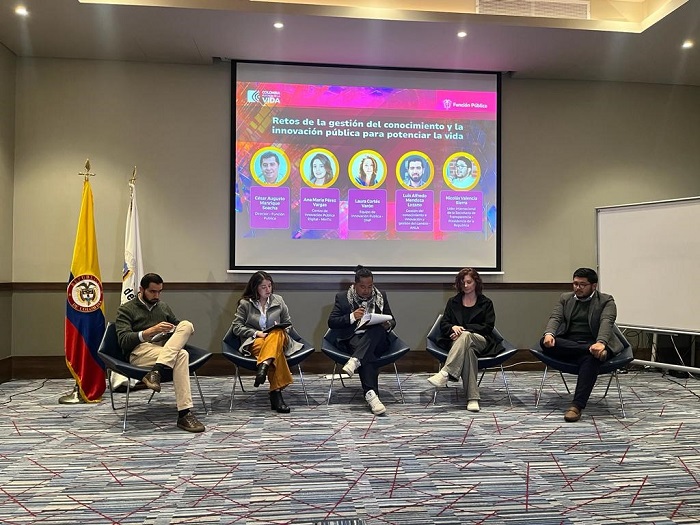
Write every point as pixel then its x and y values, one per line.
pixel 578 352
pixel 368 347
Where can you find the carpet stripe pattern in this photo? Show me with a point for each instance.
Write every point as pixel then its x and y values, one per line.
pixel 338 464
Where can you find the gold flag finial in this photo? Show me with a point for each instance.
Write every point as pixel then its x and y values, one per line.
pixel 86 174
pixel 132 180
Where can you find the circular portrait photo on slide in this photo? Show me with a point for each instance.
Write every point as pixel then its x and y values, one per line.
pixel 414 170
pixel 270 166
pixel 367 169
pixel 461 171
pixel 319 168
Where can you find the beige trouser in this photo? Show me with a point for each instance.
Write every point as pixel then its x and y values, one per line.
pixel 170 354
pixel 463 361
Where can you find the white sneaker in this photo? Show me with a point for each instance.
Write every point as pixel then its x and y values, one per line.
pixel 352 365
pixel 439 380
pixel 473 405
pixel 374 403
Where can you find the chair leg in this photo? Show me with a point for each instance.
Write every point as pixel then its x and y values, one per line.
pixel 126 405
pixel 619 393
pixel 111 391
pixel 483 372
pixel 398 382
pixel 565 383
pixel 330 389
pixel 201 396
pixel 303 385
pixel 505 382
pixel 236 378
pixel 608 387
pixel 538 394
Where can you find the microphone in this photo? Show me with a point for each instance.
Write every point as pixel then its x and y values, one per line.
pixel 364 305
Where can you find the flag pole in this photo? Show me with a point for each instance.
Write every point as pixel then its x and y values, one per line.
pixel 74 397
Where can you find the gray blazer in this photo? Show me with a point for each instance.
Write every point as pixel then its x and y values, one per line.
pixel 247 321
pixel 601 318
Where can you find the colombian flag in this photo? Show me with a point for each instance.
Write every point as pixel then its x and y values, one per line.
pixel 85 317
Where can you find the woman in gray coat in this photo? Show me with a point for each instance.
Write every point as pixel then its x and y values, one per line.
pixel 261 323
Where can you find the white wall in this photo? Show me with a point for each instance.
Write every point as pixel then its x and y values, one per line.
pixel 7 158
pixel 172 122
pixel 567 147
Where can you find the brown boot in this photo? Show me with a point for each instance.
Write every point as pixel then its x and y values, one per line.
pixel 573 414
pixel 152 380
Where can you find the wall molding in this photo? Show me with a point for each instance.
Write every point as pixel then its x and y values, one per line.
pixel 287 286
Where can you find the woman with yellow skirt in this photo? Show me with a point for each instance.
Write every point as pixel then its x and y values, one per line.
pixel 261 322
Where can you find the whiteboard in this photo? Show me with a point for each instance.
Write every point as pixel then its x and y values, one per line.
pixel 649 260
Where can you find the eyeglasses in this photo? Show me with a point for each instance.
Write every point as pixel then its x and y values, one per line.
pixel 461 166
pixel 581 285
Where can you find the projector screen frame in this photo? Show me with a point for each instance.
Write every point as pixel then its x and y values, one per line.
pixel 335 269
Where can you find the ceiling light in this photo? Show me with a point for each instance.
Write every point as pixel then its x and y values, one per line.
pixel 21 10
pixel 688 44
pixel 278 25
pixel 462 34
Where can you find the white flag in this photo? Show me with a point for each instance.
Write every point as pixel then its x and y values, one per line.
pixel 133 264
pixel 133 267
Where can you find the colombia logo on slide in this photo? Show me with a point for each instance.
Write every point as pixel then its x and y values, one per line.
pixel 264 97
pixel 85 293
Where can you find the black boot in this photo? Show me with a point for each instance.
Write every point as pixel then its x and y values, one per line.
pixel 277 403
pixel 261 374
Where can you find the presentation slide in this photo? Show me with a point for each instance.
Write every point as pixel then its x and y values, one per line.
pixel 393 169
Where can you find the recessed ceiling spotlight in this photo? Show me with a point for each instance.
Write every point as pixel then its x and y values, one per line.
pixel 462 34
pixel 278 25
pixel 21 10
pixel 688 44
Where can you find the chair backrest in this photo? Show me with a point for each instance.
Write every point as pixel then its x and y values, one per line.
pixel 434 333
pixel 110 343
pixel 625 343
pixel 330 340
pixel 231 341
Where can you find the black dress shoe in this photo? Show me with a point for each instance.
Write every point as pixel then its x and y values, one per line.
pixel 261 374
pixel 277 403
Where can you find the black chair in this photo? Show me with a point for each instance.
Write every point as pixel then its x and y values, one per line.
pixel 397 348
pixel 484 362
pixel 111 354
pixel 230 348
pixel 611 366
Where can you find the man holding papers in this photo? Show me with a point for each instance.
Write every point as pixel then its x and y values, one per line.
pixel 363 318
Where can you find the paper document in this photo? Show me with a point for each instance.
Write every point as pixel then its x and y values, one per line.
pixel 162 335
pixel 370 319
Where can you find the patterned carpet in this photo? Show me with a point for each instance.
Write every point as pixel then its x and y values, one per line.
pixel 418 464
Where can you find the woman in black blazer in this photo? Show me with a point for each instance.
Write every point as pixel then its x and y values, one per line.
pixel 466 330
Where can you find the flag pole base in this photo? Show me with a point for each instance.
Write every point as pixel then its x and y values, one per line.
pixel 71 399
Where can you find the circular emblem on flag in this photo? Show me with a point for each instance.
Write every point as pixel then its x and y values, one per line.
pixel 85 293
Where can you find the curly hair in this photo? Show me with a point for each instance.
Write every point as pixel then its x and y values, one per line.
pixel 471 272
